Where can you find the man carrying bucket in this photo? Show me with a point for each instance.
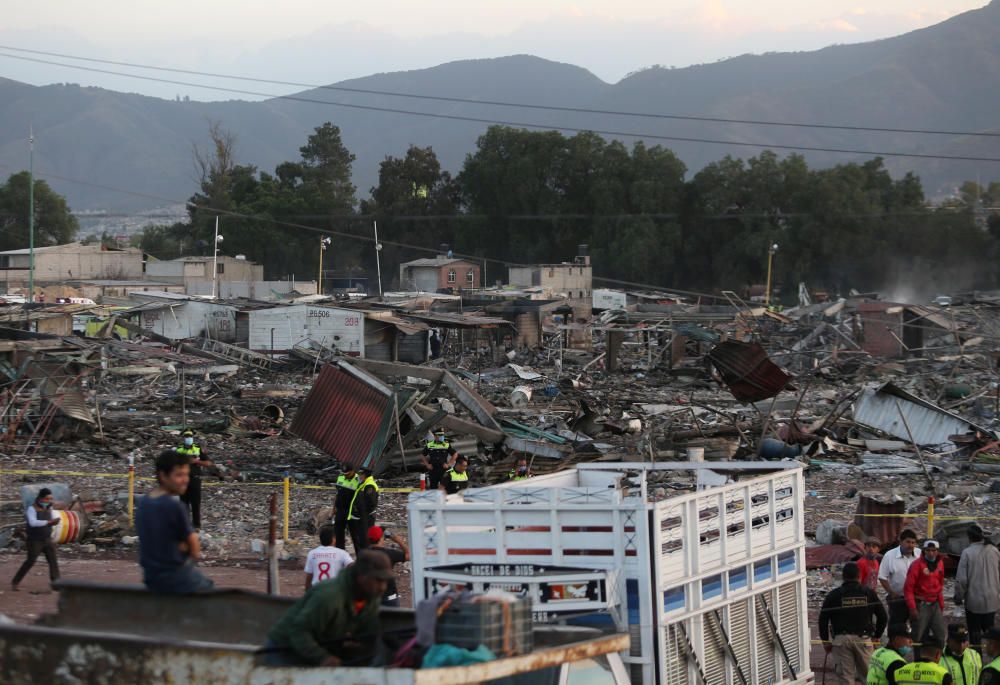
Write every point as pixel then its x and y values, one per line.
pixel 39 521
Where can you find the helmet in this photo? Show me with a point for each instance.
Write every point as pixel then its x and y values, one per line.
pixel 188 433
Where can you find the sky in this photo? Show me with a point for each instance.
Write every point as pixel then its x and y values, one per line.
pixel 324 41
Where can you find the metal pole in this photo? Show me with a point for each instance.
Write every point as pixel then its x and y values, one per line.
pixel 31 214
pixel 319 279
pixel 131 489
pixel 184 411
pixel 767 291
pixel 273 583
pixel 215 257
pixel 287 491
pixel 378 260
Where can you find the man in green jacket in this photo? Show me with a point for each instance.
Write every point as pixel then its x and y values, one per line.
pixel 335 619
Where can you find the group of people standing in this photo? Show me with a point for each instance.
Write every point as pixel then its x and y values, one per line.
pixel 853 617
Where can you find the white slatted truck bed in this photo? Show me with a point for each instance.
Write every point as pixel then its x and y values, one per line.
pixel 710 584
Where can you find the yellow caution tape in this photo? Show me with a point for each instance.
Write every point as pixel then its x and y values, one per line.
pixel 84 474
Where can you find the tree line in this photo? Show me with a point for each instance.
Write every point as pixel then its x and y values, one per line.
pixel 534 196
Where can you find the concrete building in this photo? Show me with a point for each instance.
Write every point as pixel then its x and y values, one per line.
pixel 573 280
pixel 73 261
pixel 97 289
pixel 439 273
pixel 195 273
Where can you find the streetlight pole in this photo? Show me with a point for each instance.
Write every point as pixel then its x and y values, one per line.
pixel 215 258
pixel 770 259
pixel 31 214
pixel 378 259
pixel 323 243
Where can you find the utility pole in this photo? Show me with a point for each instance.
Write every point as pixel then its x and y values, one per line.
pixel 31 213
pixel 378 260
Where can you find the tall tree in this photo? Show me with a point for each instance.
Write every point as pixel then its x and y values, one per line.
pixel 54 224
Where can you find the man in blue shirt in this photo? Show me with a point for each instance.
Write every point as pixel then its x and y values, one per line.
pixel 168 545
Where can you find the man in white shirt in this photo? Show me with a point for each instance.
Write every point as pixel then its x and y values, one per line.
pixel 892 575
pixel 326 561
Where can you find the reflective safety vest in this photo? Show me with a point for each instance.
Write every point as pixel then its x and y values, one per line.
pixel 194 451
pixel 435 445
pixel 349 483
pixel 995 664
pixel 881 660
pixel 369 483
pixel 459 481
pixel 514 475
pixel 965 672
pixel 920 673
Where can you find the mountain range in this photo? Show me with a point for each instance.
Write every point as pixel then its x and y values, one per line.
pixel 945 77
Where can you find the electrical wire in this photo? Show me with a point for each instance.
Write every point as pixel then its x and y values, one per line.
pixel 500 103
pixel 525 125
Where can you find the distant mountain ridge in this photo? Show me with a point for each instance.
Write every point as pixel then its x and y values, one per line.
pixel 944 77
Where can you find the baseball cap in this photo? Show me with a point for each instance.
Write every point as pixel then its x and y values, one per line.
pixel 930 543
pixel 187 432
pixel 375 534
pixel 957 631
pixel 873 541
pixel 374 565
pixel 900 630
pixel 931 642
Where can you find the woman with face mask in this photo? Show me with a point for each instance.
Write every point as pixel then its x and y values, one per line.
pixel 39 521
pixel 192 497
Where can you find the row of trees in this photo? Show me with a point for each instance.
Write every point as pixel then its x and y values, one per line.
pixel 525 196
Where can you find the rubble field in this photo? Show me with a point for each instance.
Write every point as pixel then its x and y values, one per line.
pixel 885 404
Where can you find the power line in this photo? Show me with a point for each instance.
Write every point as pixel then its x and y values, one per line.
pixel 517 124
pixel 499 103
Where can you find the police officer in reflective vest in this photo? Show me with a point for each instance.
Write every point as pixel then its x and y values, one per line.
pixel 925 670
pixel 885 660
pixel 521 471
pixel 192 497
pixel 437 458
pixel 991 649
pixel 457 478
pixel 361 512
pixel 963 664
pixel 347 486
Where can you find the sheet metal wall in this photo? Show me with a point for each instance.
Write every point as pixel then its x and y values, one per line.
pixel 345 417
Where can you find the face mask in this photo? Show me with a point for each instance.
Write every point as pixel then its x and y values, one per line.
pixel 522 469
pixel 904 650
pixel 45 505
pixel 870 556
pixel 188 442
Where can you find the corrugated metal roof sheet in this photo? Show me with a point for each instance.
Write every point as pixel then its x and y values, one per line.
pixel 748 372
pixel 881 520
pixel 347 414
pixel 930 424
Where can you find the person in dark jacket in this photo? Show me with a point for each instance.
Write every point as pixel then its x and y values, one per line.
pixel 39 520
pixel 857 619
pixel 336 621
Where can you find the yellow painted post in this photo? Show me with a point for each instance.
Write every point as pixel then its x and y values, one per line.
pixel 930 516
pixel 131 490
pixel 288 488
